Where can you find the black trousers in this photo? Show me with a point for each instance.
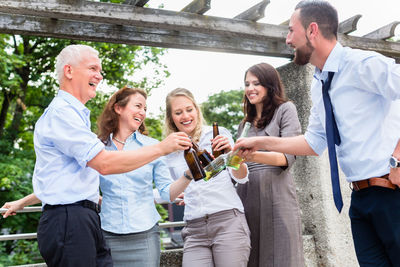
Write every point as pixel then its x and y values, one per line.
pixel 375 224
pixel 71 236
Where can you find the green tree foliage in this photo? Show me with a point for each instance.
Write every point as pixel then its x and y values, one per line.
pixel 155 127
pixel 226 108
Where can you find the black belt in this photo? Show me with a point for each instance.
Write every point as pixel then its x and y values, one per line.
pixel 84 203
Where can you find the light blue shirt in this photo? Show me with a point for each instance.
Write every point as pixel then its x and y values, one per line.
pixel 64 144
pixel 128 201
pixel 364 94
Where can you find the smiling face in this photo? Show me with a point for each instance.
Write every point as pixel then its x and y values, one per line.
pixel 253 90
pixel 298 40
pixel 133 114
pixel 184 114
pixel 85 76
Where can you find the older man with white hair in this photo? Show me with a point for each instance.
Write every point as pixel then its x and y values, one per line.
pixel 69 158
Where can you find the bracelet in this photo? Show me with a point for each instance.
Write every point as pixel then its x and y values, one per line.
pixel 187 176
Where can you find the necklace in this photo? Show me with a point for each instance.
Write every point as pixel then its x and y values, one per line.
pixel 119 141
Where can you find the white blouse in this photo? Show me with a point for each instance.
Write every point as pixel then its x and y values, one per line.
pixel 206 197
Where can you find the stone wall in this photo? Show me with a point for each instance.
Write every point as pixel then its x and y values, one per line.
pixel 329 230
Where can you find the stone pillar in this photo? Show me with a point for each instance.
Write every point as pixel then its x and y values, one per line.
pixel 330 230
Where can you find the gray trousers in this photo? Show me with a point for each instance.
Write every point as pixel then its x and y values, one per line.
pixel 220 239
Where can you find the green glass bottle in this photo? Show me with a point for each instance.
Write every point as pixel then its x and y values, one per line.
pixel 233 160
pixel 230 159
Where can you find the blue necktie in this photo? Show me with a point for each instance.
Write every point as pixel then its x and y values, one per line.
pixel 332 137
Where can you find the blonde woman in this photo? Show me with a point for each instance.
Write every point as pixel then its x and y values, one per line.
pixel 216 233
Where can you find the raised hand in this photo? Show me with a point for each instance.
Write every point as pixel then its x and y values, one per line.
pixel 174 142
pixel 247 145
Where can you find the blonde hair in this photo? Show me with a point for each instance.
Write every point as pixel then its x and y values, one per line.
pixel 170 126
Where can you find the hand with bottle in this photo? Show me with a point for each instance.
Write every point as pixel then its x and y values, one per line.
pixel 231 159
pixel 219 144
pixel 175 141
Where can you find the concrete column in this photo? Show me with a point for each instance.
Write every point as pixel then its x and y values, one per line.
pixel 330 230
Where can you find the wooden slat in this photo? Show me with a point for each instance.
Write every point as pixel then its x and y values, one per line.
pixel 198 7
pixel 27 25
pixel 211 41
pixel 383 33
pixel 391 49
pixel 285 23
pixel 144 26
pixel 349 25
pixel 254 13
pixel 141 17
pixel 71 2
pixel 139 3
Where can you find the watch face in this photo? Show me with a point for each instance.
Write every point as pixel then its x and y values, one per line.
pixel 393 162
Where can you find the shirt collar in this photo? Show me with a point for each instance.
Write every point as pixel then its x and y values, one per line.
pixel 331 64
pixel 73 101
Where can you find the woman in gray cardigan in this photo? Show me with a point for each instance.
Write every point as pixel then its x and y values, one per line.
pixel 269 198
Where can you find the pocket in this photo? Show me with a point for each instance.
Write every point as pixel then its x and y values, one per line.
pixel 244 224
pixel 184 233
pixel 43 223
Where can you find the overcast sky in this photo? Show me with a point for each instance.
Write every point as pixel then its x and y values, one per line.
pixel 205 73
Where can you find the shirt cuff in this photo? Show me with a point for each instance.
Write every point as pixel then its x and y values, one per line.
pixel 317 145
pixel 239 181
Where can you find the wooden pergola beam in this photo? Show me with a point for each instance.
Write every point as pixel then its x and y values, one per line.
pixel 285 23
pixel 254 13
pixel 198 7
pixel 140 17
pixel 155 27
pixel 140 3
pixel 102 32
pixel 349 25
pixel 383 33
pixel 390 49
pixel 98 32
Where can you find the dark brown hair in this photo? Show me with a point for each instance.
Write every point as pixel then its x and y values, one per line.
pixel 269 78
pixel 107 123
pixel 321 12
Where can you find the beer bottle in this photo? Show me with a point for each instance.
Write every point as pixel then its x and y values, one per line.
pixel 233 159
pixel 230 159
pixel 194 164
pixel 202 154
pixel 215 133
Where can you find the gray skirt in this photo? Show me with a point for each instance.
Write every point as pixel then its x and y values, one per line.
pixel 136 249
pixel 273 216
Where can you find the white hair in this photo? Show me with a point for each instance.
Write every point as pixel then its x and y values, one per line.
pixel 71 55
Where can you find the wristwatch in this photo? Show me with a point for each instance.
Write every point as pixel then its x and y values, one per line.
pixel 394 163
pixel 187 176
